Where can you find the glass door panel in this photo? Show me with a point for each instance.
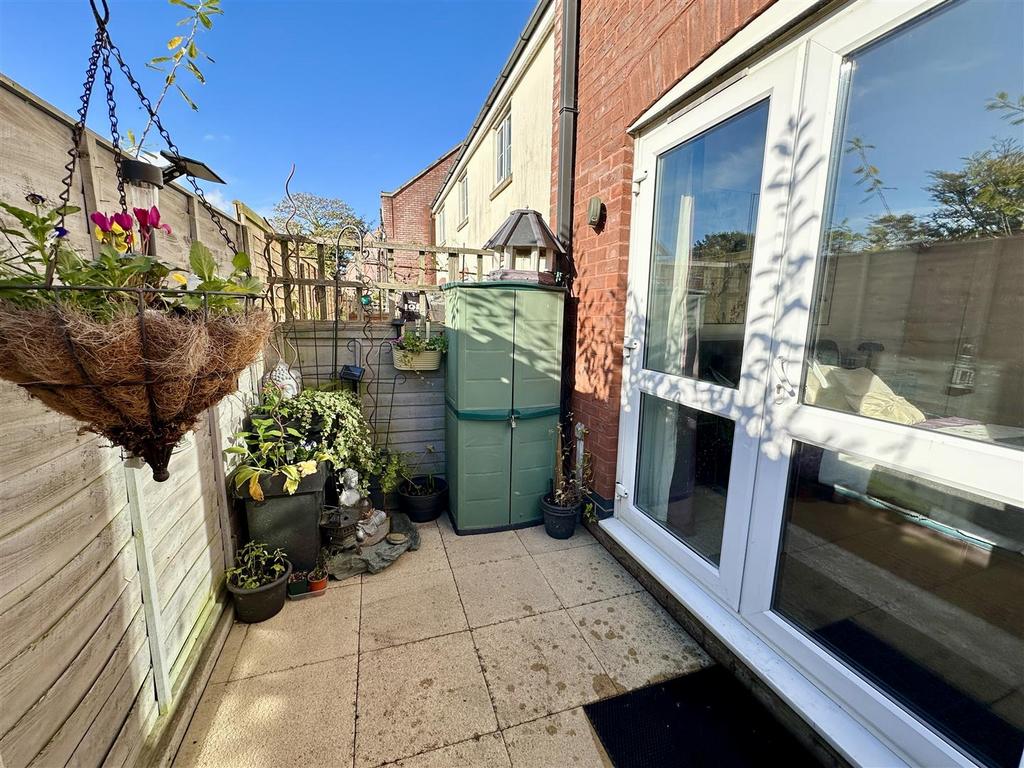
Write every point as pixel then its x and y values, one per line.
pixel 705 212
pixel 915 584
pixel 920 294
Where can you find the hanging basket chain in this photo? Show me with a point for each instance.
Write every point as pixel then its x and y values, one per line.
pixel 115 136
pixel 77 134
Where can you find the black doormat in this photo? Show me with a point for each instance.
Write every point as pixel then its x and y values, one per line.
pixel 706 718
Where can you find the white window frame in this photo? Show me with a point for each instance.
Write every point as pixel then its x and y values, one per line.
pixel 503 149
pixel 463 186
pixel 990 470
pixel 440 226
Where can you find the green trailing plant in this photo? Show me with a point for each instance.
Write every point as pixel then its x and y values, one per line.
pixel 334 425
pixel 412 341
pixel 256 566
pixel 392 471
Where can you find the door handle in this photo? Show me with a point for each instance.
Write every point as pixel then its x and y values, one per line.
pixel 784 388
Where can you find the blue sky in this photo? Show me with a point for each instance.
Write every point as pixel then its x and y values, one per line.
pixel 359 95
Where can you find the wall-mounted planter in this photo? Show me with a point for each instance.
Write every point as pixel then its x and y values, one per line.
pixel 427 360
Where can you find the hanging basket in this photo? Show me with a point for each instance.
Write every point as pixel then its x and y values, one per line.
pixel 143 368
pixel 142 380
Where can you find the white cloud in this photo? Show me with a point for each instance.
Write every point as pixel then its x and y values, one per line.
pixel 219 200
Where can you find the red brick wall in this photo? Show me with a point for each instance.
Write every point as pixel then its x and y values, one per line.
pixel 405 214
pixel 631 52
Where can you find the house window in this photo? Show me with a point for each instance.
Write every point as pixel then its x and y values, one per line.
pixel 463 200
pixel 440 226
pixel 503 150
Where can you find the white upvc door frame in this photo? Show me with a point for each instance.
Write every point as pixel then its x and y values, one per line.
pixel 775 83
pixel 987 469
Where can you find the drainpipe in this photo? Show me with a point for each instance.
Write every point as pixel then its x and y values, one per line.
pixel 564 188
pixel 567 121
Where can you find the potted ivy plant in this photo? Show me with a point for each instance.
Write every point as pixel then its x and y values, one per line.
pixel 422 496
pixel 258 582
pixel 281 478
pixel 563 505
pixel 413 352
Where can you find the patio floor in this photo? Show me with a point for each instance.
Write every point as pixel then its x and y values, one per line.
pixel 472 651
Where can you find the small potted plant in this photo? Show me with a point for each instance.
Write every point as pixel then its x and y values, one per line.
pixel 562 507
pixel 423 497
pixel 318 578
pixel 413 352
pixel 281 477
pixel 258 582
pixel 298 583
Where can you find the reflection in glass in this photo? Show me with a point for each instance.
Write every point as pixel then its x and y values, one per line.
pixel 915 584
pixel 683 472
pixel 706 209
pixel 919 316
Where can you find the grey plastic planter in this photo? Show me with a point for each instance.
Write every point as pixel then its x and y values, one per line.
pixel 288 522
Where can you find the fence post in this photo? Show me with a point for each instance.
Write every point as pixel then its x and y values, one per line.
pixel 453 267
pixel 321 273
pixel 220 478
pixel 133 469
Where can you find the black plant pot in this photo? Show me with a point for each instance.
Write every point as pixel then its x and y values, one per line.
pixel 559 522
pixel 422 508
pixel 255 605
pixel 288 522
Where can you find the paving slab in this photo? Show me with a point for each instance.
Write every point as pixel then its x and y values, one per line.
pixel 636 640
pixel 505 590
pixel 479 548
pixel 402 610
pixel 419 697
pixel 585 575
pixel 537 541
pixel 565 740
pixel 264 721
pixel 304 632
pixel 538 666
pixel 482 752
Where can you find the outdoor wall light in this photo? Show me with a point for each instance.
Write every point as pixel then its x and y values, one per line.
pixel 595 212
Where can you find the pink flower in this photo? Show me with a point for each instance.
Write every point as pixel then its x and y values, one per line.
pixel 101 221
pixel 149 220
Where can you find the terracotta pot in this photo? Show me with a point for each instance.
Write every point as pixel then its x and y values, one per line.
pixel 315 585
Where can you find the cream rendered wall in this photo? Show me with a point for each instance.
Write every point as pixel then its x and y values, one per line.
pixel 529 93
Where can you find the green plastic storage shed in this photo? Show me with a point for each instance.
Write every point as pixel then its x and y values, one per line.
pixel 502 391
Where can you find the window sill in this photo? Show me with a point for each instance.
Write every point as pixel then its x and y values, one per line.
pixel 501 186
pixel 462 223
